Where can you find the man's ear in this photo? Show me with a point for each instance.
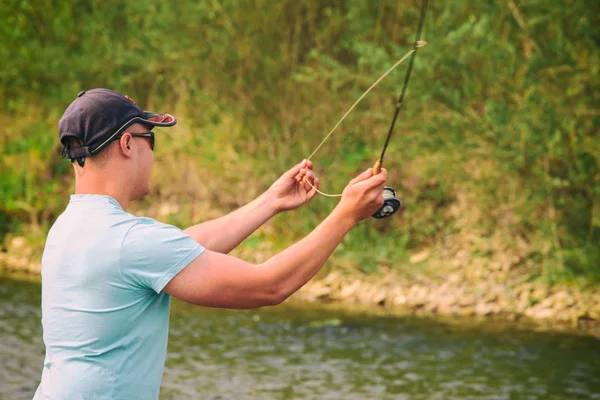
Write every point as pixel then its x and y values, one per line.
pixel 125 144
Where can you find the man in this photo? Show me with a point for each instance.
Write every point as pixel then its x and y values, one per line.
pixel 107 275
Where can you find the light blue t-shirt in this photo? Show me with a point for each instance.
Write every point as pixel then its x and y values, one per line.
pixel 104 317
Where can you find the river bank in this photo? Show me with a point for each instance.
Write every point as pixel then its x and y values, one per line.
pixel 559 307
pixel 535 305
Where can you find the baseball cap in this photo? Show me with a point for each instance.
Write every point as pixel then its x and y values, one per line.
pixel 97 116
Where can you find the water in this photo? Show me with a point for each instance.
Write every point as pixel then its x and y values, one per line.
pixel 295 353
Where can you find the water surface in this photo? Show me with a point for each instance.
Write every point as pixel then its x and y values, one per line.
pixel 298 353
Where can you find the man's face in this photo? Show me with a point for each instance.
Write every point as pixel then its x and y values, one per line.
pixel 144 155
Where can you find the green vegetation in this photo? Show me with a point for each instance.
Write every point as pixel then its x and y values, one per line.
pixel 497 150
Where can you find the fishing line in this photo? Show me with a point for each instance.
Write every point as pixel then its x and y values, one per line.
pixel 386 73
pixel 360 98
pixel 391 202
pixel 418 42
pixel 348 112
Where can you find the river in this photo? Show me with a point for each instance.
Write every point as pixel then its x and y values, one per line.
pixel 292 352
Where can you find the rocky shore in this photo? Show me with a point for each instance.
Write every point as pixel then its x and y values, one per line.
pixel 554 308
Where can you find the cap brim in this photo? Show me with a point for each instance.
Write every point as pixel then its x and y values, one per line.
pixel 157 119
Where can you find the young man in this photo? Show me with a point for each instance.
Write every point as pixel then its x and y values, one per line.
pixel 107 275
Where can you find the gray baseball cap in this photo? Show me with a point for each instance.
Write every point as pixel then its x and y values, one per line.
pixel 97 117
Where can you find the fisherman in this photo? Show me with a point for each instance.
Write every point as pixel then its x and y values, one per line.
pixel 107 275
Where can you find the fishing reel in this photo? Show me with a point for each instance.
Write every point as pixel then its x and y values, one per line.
pixel 391 204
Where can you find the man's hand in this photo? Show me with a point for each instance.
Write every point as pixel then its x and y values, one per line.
pixel 291 191
pixel 363 195
pixel 219 280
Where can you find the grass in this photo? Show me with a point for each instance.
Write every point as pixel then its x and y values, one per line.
pixel 496 150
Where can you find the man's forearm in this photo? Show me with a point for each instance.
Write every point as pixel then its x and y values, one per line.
pixel 296 265
pixel 224 234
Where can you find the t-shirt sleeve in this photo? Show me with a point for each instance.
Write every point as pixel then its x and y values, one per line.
pixel 153 253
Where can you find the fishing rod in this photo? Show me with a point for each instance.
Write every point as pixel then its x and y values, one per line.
pixel 391 202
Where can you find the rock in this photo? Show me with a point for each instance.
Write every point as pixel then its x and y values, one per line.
pixel 318 290
pixel 540 292
pixel 454 279
pixel 480 308
pixel 540 313
pixel 521 305
pixel 22 263
pixel 563 299
pixel 400 300
pixel 466 311
pixel 483 308
pixel 164 210
pixel 35 267
pixel 523 296
pixel 417 295
pixel 18 243
pixel 446 305
pixel 490 297
pixel 365 295
pixel 446 308
pixel 419 257
pixel 20 246
pixel 548 302
pixel 11 260
pixel 379 297
pixel 332 279
pixel 168 208
pixel 467 300
pixel 430 307
pixel 348 291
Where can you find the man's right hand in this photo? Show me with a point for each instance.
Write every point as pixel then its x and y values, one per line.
pixel 363 195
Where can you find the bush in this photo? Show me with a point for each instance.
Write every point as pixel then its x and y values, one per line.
pixel 502 105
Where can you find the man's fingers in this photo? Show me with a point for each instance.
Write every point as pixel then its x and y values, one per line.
pixel 368 176
pixel 308 175
pixel 300 175
pixel 373 182
pixel 365 175
pixel 304 175
pixel 293 172
pixel 308 184
pixel 378 179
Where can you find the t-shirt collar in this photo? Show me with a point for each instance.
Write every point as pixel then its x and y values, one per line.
pixel 95 198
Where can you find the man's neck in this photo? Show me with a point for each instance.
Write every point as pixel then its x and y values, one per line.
pixel 121 196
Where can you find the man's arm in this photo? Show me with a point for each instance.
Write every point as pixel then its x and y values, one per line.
pixel 218 280
pixel 224 234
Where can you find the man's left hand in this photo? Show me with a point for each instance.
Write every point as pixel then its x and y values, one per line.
pixel 291 191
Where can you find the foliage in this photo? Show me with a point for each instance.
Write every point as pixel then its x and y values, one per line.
pixel 502 108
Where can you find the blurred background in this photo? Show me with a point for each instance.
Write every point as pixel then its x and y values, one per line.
pixel 496 153
pixel 496 157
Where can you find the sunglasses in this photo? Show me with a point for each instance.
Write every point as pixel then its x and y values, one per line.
pixel 149 135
